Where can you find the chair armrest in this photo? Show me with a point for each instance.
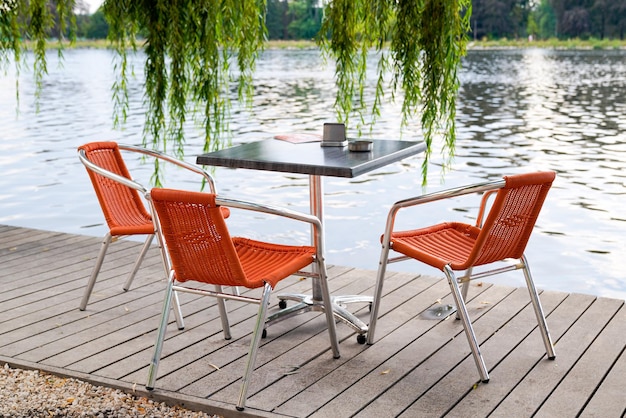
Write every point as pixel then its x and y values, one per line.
pixel 440 195
pixel 278 211
pixel 445 194
pixel 170 159
pixel 270 209
pixel 108 174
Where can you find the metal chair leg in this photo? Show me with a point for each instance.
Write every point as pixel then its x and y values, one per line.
pixel 221 305
pixel 467 324
pixel 465 287
pixel 142 255
pixel 180 323
pixel 541 318
pixel 328 307
pixel 254 344
pixel 178 313
pixel 158 346
pixel 96 269
pixel 378 291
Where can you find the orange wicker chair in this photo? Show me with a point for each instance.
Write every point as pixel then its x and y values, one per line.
pixel 455 246
pixel 198 248
pixel 120 199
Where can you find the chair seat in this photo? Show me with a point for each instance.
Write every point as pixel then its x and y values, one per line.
pixel 268 262
pixel 438 245
pixel 134 226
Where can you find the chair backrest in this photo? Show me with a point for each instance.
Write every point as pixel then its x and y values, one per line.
pixel 196 236
pixel 511 219
pixel 122 206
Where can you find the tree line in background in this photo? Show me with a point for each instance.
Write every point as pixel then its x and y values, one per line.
pixel 490 19
pixel 543 19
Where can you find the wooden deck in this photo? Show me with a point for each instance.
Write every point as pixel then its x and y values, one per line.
pixel 418 367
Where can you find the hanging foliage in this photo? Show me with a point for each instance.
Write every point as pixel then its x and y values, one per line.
pixel 190 46
pixel 33 21
pixel 419 42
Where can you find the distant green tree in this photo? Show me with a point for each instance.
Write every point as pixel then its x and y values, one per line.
pixel 617 18
pixel 532 28
pixel 489 19
pixel 546 19
pixel 306 19
pixel 98 28
pixel 82 22
pixel 575 23
pixel 499 18
pixel 520 11
pixel 277 19
pixel 598 15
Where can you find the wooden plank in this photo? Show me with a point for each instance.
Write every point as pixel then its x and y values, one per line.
pixel 507 372
pixel 579 385
pixel 201 322
pixel 181 341
pixel 36 306
pixel 89 334
pixel 7 229
pixel 302 334
pixel 57 248
pixel 61 316
pixel 609 399
pixel 176 370
pixel 308 363
pixel 532 391
pixel 16 242
pixel 176 341
pixel 417 332
pixel 70 285
pixel 439 352
pixel 447 393
pixel 32 262
pixel 52 272
pixel 415 297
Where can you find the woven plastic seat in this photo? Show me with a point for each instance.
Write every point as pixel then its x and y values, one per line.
pixel 455 246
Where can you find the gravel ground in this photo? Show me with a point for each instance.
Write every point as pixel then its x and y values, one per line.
pixel 31 393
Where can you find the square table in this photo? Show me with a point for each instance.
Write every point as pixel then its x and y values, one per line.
pixel 316 161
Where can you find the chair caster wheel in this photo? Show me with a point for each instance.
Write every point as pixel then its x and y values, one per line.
pixel 264 334
pixel 361 339
pixel 282 304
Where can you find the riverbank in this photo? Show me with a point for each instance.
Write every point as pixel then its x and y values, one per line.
pixel 475 44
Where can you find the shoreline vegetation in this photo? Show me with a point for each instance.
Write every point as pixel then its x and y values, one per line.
pixel 473 44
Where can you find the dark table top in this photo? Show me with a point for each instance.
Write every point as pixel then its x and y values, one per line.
pixel 311 158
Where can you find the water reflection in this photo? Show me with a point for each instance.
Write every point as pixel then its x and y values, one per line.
pixel 518 110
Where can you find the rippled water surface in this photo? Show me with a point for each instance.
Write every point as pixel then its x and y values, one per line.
pixel 519 110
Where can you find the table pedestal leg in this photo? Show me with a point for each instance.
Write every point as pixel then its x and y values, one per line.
pixel 314 302
pixel 307 303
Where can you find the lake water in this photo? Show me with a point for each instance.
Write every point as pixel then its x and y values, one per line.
pixel 518 110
